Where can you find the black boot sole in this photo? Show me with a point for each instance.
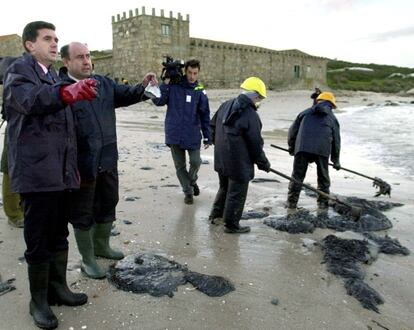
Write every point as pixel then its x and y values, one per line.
pixel 53 324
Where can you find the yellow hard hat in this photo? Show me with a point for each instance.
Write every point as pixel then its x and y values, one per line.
pixel 254 84
pixel 327 96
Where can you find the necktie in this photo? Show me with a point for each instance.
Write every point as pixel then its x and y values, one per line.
pixel 50 77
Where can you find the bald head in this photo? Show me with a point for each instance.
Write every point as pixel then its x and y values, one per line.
pixel 77 58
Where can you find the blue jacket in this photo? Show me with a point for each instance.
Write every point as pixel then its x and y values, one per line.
pixel 41 130
pixel 316 131
pixel 188 113
pixel 96 124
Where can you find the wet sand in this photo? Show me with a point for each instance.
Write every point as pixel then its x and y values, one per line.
pixel 263 265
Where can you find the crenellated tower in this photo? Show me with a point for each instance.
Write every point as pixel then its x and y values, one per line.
pixel 141 40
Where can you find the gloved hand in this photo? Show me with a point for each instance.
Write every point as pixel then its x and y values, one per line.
pixel 336 165
pixel 264 167
pixel 292 151
pixel 150 78
pixel 82 90
pixel 206 143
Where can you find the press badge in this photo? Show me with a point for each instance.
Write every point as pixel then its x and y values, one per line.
pixel 188 99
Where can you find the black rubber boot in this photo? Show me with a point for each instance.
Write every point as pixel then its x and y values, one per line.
pixel 237 230
pixel 196 189
pixel 293 195
pixel 188 199
pixel 101 235
pixel 39 308
pixel 59 293
pixel 86 248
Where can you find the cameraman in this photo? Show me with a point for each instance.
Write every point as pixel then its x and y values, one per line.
pixel 188 112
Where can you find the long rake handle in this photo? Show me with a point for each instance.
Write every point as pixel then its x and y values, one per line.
pixel 330 164
pixel 322 193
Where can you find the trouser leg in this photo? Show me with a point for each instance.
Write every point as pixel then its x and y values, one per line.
pixel 81 214
pixel 324 182
pixel 195 163
pixel 220 200
pixel 46 225
pixel 11 203
pixel 183 176
pixel 300 166
pixel 82 219
pixel 106 199
pixel 235 200
pixel 106 196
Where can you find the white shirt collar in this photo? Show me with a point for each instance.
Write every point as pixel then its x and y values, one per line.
pixel 72 77
pixel 44 68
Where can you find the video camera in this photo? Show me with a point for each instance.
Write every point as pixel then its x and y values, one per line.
pixel 172 70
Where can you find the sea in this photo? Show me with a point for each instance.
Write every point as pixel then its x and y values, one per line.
pixel 383 133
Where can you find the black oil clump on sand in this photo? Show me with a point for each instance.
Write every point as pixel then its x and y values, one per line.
pixel 343 258
pixel 254 215
pixel 159 276
pixel 6 286
pixel 367 296
pixel 302 221
pixel 299 222
pixel 388 245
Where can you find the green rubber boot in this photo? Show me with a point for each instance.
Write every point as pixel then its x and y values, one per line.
pixel 86 248
pixel 101 235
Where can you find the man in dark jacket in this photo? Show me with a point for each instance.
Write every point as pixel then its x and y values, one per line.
pixel 236 128
pixel 42 164
pixel 313 137
pixel 93 206
pixel 188 113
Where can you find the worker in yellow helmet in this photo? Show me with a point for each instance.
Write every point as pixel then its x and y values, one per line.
pixel 236 134
pixel 314 137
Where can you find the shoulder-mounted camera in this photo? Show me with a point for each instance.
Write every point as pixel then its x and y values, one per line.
pixel 172 70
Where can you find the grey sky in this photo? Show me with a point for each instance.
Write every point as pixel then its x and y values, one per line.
pixel 365 31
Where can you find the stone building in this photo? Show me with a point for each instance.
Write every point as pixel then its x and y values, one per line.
pixel 11 45
pixel 140 40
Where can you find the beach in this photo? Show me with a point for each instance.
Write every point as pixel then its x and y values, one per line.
pixel 263 265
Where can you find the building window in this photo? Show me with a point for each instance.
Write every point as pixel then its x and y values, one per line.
pixel 296 71
pixel 165 29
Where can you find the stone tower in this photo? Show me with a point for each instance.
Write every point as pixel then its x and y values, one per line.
pixel 141 40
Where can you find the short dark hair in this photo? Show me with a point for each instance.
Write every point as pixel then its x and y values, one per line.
pixel 30 31
pixel 64 52
pixel 192 63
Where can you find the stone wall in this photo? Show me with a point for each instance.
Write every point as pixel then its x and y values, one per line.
pixel 226 65
pixel 139 44
pixel 104 65
pixel 140 41
pixel 11 45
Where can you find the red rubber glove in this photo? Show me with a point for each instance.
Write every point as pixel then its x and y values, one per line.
pixel 82 90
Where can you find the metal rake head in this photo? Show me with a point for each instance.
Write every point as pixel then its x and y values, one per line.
pixel 384 187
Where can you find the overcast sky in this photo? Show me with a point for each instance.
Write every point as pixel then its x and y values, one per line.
pixel 365 31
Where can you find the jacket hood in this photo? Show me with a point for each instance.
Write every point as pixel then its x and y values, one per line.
pixel 322 108
pixel 238 105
